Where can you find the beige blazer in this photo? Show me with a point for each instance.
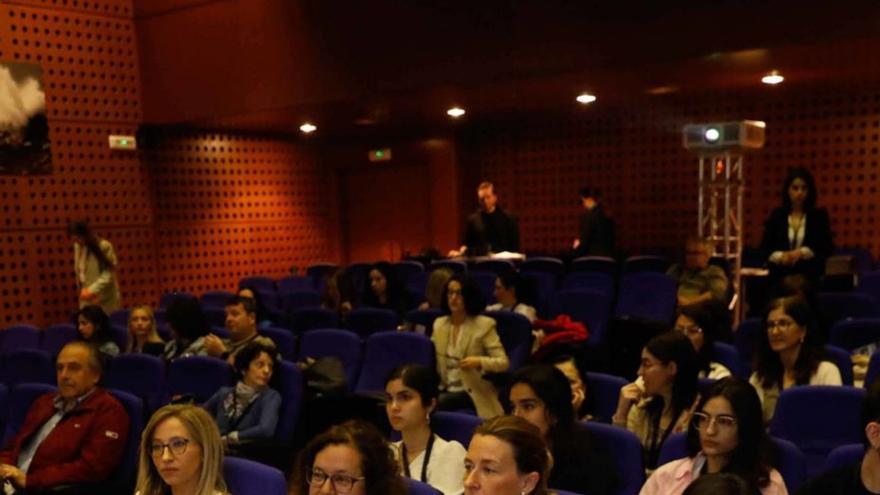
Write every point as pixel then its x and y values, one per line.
pixel 101 282
pixel 478 337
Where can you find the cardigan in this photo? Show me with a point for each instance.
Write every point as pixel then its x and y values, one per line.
pixel 258 422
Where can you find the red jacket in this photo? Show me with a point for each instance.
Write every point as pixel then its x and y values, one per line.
pixel 85 446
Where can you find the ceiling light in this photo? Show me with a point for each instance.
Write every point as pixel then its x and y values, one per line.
pixel 455 112
pixel 308 128
pixel 772 78
pixel 585 98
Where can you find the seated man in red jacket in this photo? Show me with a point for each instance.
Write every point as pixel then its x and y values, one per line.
pixel 74 436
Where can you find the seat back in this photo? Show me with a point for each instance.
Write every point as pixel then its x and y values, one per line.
pixel 141 375
pixel 298 299
pixel 166 299
pixel 602 264
pixel 746 339
pixel 261 283
pixel 600 281
pixel 544 264
pixel 646 263
pixel 123 477
pixel 727 355
pixel 305 319
pixel 854 333
pixel 648 296
pixel 28 366
pixel 55 337
pixel 486 282
pixel 19 337
pixel 341 344
pixel 603 394
pixel 415 487
pixel 454 265
pixel 455 426
pixel 424 318
pixel 20 399
pixel 319 271
pixel 198 376
pixel 494 266
pixel 367 321
pixel 873 369
pixel 791 463
pixel 294 283
pixel 675 447
pixel 120 317
pixel 245 477
pixel 291 386
pixel 388 350
pixel 215 298
pixel 544 285
pixel 119 335
pixel 842 359
pixel 838 306
pixel 588 306
pixel 625 450
pixel 406 268
pixel 284 340
pixel 515 332
pixel 843 456
pixel 216 316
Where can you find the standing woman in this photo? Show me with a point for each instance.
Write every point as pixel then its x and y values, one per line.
pixel 467 346
pixel 94 262
pixel 789 353
pixel 797 235
pixel 181 454
pixel 410 400
pixel 662 405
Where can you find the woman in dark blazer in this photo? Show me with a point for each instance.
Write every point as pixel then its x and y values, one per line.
pixel 797 236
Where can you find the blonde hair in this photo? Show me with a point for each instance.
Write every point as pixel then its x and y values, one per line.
pixel 154 334
pixel 203 430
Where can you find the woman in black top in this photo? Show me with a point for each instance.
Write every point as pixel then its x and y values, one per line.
pixel 384 290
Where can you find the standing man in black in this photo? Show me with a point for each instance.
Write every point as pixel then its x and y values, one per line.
pixel 490 229
pixel 596 230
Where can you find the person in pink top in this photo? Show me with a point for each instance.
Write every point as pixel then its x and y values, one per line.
pixel 726 435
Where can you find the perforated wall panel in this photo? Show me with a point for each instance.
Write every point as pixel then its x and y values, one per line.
pixel 649 181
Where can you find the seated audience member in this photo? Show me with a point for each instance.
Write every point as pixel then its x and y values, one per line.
pixel 385 291
pixel 93 326
pixel 434 289
pixel 507 456
pixel 143 337
pixel 700 324
pixel 578 383
pixel 698 281
pixel 788 354
pixel 264 319
pixel 351 458
pixel 662 406
pixel 338 294
pixel 467 346
pixel 509 288
pixel 410 400
pixel 719 484
pixel 181 454
pixel 72 437
pixel 862 478
pixel 241 322
pixel 248 411
pixel 189 326
pixel 726 436
pixel 542 395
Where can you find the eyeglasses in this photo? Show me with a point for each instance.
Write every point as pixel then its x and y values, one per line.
pixel 724 422
pixel 453 292
pixel 780 324
pixel 342 483
pixel 689 331
pixel 177 446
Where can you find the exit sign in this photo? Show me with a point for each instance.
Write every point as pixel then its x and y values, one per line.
pixel 382 155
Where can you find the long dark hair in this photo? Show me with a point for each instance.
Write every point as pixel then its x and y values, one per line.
pixel 398 298
pixel 812 194
pixel 673 347
pixel 379 468
pixel 474 302
pixel 749 459
pixel 423 379
pixel 186 319
pixel 768 365
pixel 91 241
pixel 705 317
pixel 103 331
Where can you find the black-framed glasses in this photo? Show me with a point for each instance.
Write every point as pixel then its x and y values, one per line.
pixel 177 446
pixel 342 483
pixel 723 422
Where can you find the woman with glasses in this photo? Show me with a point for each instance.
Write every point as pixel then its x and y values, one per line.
pixel 700 323
pixel 507 456
pixel 726 435
pixel 789 353
pixel 541 395
pixel 351 458
pixel 662 404
pixel 410 400
pixel 467 346
pixel 181 454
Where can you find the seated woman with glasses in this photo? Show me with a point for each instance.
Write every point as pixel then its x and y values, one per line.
pixel 181 454
pixel 726 435
pixel 701 325
pixel 351 458
pixel 662 405
pixel 467 346
pixel 789 353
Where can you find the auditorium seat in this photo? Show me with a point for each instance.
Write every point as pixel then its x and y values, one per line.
pixel 873 369
pixel 493 266
pixel 27 366
pixel 646 263
pixel 843 456
pixel 455 426
pixel 120 336
pixel 602 264
pixel 19 337
pixel 119 317
pixel 425 318
pixel 198 377
pixel 454 265
pixel 215 299
pixel 843 360
pixel 745 339
pixel 294 283
pixel 603 394
pixel 55 337
pixel 647 296
pixel 590 280
pixel 543 264
pixel 299 299
pixel 290 385
pixel 166 299
pixel 138 374
pixel 839 306
pixel 625 450
pixel 588 306
pixel 544 287
pixel 415 487
pixel 319 271
pixel 486 282
pixel 727 355
pixel 260 283
pixel 367 321
pixel 854 333
pixel 123 477
pixel 245 477
pixel 341 344
pixel 515 332
pixel 216 316
pixel 20 399
pixel 385 351
pixel 284 340
pixel 406 268
pixel 306 319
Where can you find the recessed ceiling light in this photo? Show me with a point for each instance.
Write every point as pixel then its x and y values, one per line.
pixel 772 78
pixel 585 98
pixel 308 128
pixel 662 90
pixel 455 112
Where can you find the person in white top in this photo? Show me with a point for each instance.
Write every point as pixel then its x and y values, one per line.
pixel 509 291
pixel 788 353
pixel 181 453
pixel 410 398
pixel 702 324
pixel 726 435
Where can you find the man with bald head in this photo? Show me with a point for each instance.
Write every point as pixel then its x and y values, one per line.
pixel 70 437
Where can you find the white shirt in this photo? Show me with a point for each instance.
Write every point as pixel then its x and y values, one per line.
pixel 521 308
pixel 445 467
pixel 826 374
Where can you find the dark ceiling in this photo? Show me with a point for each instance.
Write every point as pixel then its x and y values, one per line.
pixel 400 64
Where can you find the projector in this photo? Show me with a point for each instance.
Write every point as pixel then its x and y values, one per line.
pixel 720 135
